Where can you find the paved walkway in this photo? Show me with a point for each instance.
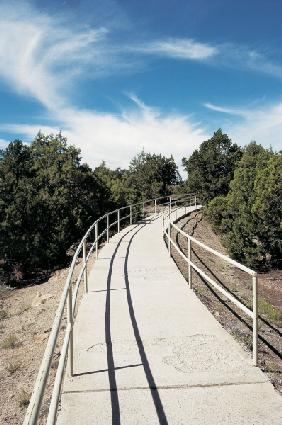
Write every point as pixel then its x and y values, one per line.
pixel 147 351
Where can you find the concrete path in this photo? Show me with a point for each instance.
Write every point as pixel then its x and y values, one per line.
pixel 147 351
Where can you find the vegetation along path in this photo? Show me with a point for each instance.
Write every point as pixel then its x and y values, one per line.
pixel 147 351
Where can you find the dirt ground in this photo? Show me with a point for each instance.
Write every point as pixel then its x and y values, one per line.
pixel 239 284
pixel 26 317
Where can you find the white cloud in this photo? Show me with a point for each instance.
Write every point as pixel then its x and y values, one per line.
pixel 3 143
pixel 245 58
pixel 231 111
pixel 262 124
pixel 116 139
pixel 179 49
pixel 40 55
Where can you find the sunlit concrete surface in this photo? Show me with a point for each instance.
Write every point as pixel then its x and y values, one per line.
pixel 147 351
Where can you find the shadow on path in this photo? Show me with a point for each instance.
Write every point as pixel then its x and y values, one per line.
pixel 110 358
pixel 149 376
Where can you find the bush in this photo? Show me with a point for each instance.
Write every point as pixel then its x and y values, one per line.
pixel 216 212
pixel 249 216
pixel 211 168
pixel 47 200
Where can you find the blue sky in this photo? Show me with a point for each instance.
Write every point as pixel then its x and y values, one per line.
pixel 119 76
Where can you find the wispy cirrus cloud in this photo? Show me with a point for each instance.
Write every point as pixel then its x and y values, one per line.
pixel 117 138
pixel 178 48
pixel 3 143
pixel 40 56
pixel 225 110
pixel 260 123
pixel 246 58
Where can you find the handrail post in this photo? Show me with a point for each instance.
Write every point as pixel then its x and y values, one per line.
pixel 108 227
pixel 169 236
pixel 85 266
pixel 189 262
pixel 130 209
pixel 96 238
pixel 169 206
pixel 118 221
pixel 255 320
pixel 195 200
pixel 143 209
pixel 155 206
pixel 70 320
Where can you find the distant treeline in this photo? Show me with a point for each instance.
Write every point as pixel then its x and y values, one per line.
pixel 242 193
pixel 48 199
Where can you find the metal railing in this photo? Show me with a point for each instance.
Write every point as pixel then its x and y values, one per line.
pixel 112 220
pixel 169 223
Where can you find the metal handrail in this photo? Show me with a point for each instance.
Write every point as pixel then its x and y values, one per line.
pixel 171 223
pixel 69 297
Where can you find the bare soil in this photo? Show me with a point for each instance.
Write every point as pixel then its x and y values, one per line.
pixel 26 317
pixel 239 284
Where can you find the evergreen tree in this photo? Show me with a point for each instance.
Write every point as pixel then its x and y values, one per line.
pixel 151 175
pixel 47 200
pixel 211 168
pixel 249 217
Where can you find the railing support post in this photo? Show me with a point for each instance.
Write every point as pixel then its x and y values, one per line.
pixel 155 206
pixel 108 228
pixel 189 262
pixel 143 210
pixel 130 215
pixel 85 266
pixel 169 206
pixel 255 320
pixel 118 221
pixel 70 320
pixel 169 237
pixel 96 238
pixel 195 200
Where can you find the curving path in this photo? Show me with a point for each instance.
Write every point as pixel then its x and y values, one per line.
pixel 147 351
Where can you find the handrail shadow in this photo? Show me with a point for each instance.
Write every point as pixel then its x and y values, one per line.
pixel 115 405
pixel 148 372
pixel 110 358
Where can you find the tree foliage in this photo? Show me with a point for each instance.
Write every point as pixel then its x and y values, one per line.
pixel 249 216
pixel 151 175
pixel 47 199
pixel 115 181
pixel 211 167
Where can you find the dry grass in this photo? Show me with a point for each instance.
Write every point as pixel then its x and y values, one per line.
pixel 23 397
pixel 3 314
pixel 13 366
pixel 270 312
pixel 10 342
pixel 23 309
